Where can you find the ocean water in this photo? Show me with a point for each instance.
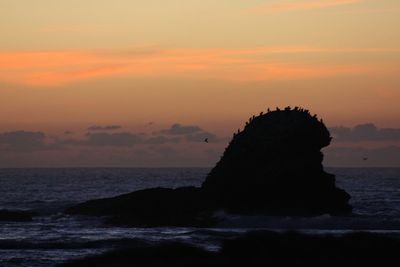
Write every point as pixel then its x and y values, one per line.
pixel 53 237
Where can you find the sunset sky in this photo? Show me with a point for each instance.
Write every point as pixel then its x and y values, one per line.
pixel 142 83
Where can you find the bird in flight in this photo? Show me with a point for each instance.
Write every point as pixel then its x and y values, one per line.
pixel 206 140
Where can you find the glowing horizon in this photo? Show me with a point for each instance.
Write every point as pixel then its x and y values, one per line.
pixel 67 65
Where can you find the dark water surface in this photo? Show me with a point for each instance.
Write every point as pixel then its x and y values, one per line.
pixel 53 237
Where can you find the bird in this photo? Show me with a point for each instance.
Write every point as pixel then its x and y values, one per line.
pixel 365 158
pixel 206 140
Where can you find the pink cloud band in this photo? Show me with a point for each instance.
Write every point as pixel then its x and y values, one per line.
pixel 57 68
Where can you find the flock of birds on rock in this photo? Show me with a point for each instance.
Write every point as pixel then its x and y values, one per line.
pixel 288 108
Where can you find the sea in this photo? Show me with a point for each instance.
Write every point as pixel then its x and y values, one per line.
pixel 54 237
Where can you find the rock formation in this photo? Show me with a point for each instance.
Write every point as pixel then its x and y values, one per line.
pixel 272 167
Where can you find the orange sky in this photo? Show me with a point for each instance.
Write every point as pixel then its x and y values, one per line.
pixel 68 65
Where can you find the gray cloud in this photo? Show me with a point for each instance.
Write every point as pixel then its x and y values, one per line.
pixel 365 132
pixel 23 140
pixel 388 156
pixel 178 129
pixel 123 139
pixel 200 137
pixel 172 147
pixel 158 140
pixel 191 133
pixel 114 139
pixel 104 127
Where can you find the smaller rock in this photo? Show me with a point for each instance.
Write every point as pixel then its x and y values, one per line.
pixel 154 207
pixel 15 215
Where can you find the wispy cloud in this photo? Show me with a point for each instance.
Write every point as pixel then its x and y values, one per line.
pixel 365 132
pixel 67 29
pixel 386 156
pixel 58 68
pixel 286 6
pixel 393 9
pixel 106 136
pixel 192 133
pixel 19 140
pixel 178 129
pixel 104 127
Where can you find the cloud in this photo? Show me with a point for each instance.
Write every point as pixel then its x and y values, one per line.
pixel 201 136
pixel 104 128
pixel 23 140
pixel 59 68
pixel 125 139
pixel 119 139
pixel 67 29
pixel 365 132
pixel 178 129
pixel 191 133
pixel 287 6
pixel 392 9
pixel 388 156
pixel 158 140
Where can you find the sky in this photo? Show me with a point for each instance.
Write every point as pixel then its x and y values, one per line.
pixel 128 83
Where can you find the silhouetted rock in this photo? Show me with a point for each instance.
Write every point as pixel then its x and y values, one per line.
pixel 272 167
pixel 154 207
pixel 15 215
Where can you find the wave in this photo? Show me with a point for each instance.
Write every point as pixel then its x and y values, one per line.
pixel 39 207
pixel 324 222
pixel 7 244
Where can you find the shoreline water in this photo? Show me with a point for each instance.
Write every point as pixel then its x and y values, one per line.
pixel 375 193
pixel 260 248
